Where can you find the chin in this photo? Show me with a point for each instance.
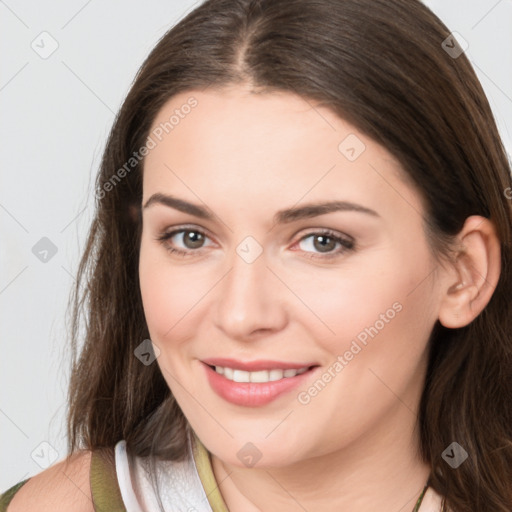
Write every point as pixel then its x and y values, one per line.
pixel 248 451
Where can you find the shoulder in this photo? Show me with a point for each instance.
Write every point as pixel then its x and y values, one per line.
pixel 63 486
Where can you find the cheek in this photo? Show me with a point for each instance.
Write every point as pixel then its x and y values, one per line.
pixel 381 324
pixel 173 294
pixel 163 293
pixel 387 297
pixel 344 301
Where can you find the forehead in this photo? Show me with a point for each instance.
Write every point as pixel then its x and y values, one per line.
pixel 247 146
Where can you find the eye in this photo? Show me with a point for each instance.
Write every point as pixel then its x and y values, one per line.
pixel 327 243
pixel 191 239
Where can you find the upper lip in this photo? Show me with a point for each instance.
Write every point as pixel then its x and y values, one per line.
pixel 260 364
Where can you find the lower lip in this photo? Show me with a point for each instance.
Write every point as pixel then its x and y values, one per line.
pixel 252 394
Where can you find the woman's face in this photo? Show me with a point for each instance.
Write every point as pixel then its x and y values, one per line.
pixel 271 280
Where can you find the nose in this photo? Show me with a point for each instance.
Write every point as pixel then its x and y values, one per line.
pixel 250 300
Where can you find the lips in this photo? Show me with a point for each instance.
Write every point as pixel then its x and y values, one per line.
pixel 255 394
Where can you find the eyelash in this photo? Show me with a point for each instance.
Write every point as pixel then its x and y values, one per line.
pixel 347 244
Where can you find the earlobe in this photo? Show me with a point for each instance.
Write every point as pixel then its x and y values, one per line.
pixel 476 273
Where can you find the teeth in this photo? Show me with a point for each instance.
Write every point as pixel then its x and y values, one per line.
pixel 275 375
pixel 241 376
pixel 259 376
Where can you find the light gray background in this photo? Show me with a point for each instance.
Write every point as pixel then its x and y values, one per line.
pixel 55 116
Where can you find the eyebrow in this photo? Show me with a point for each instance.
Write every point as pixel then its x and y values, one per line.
pixel 281 217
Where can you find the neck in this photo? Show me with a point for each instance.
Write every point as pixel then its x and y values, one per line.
pixel 381 470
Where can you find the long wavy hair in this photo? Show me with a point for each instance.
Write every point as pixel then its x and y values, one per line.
pixel 382 66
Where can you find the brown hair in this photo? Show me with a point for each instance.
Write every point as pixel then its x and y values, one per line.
pixel 380 65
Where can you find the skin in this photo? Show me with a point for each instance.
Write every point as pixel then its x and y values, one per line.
pixel 245 156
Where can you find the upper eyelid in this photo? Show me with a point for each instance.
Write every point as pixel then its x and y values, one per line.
pixel 175 230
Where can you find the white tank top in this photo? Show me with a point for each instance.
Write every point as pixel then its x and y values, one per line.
pixel 180 487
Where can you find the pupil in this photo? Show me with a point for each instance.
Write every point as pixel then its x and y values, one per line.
pixel 194 238
pixel 322 246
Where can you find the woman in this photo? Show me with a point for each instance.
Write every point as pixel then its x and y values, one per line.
pixel 298 278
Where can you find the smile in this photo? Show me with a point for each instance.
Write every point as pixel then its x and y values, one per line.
pixel 258 376
pixel 257 383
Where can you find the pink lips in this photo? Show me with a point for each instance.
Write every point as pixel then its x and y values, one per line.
pixel 253 394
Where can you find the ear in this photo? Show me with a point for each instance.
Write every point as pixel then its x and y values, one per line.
pixel 469 285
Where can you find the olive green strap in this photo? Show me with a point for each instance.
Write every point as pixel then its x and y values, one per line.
pixel 420 499
pixel 105 492
pixel 7 496
pixel 206 475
